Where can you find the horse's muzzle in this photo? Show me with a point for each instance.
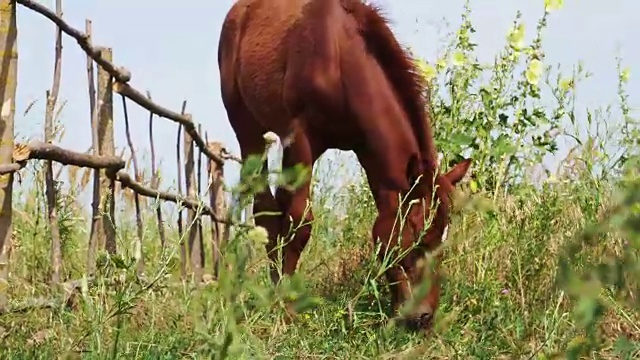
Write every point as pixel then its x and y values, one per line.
pixel 421 322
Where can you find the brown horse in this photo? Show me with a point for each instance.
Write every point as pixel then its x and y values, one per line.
pixel 329 74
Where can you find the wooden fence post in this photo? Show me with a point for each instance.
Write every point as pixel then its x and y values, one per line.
pixel 51 191
pixel 155 181
pixel 200 239
pixel 194 247
pixel 8 86
pixel 218 203
pixel 106 147
pixel 136 197
pixel 94 235
pixel 183 246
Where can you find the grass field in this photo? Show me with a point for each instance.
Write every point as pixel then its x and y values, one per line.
pixel 536 267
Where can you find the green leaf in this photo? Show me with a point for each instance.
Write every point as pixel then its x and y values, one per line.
pixel 251 166
pixel 459 138
pixel 624 347
pixel 306 303
pixel 118 262
pixel 295 176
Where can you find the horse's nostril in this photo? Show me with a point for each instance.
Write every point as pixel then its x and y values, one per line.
pixel 425 320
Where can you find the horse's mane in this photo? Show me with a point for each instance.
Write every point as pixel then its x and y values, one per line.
pixel 401 71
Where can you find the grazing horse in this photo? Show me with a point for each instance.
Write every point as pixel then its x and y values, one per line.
pixel 329 74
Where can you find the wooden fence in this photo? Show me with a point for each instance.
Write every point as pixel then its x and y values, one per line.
pixel 108 168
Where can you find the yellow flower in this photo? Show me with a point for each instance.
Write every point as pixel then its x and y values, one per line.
pixel 552 5
pixel 516 37
pixel 566 84
pixel 428 71
pixel 534 71
pixel 625 75
pixel 473 185
pixel 458 58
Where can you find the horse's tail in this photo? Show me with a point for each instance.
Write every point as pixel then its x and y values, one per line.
pixel 401 72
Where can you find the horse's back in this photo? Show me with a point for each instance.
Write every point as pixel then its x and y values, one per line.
pixel 276 55
pixel 253 51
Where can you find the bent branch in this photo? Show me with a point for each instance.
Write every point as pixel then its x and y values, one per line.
pixel 127 182
pixel 38 150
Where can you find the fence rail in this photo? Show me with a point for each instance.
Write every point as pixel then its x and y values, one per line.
pixel 38 150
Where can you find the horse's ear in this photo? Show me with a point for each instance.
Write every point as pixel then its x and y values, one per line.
pixel 458 171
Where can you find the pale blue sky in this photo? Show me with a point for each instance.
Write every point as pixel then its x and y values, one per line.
pixel 170 47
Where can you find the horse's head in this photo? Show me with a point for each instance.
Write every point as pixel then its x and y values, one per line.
pixel 425 228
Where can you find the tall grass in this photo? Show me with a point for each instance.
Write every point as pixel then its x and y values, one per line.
pixel 539 263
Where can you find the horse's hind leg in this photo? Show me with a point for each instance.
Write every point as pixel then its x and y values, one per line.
pixel 297 214
pixel 250 138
